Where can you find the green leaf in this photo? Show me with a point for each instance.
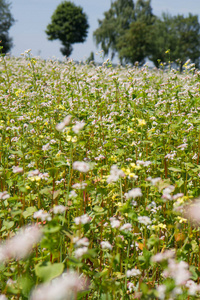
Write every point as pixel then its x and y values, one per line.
pixel 47 271
pixel 29 211
pixel 175 169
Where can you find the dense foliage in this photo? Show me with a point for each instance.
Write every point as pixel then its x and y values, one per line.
pixel 135 34
pixel 6 21
pixel 99 166
pixel 69 25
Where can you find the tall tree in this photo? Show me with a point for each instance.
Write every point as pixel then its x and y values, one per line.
pixel 69 25
pixel 134 44
pixel 179 34
pixel 6 21
pixel 116 20
pixel 124 29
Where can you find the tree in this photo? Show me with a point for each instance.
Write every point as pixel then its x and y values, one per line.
pixel 6 21
pixel 116 20
pixel 124 30
pixel 134 45
pixel 69 25
pixel 180 35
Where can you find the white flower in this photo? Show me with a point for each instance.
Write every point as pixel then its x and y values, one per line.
pixel 59 209
pixel 130 287
pixel 20 245
pixel 64 123
pixel 81 166
pixel 84 219
pixel 46 147
pixel 33 173
pixel 154 180
pixel 79 186
pixel 81 242
pixel 41 214
pixel 193 287
pixel 17 169
pixel 3 297
pixel 178 271
pixel 144 220
pixel 80 252
pixel 163 256
pixel 115 173
pixel 4 195
pixel 183 146
pixel 161 289
pixel 134 193
pixel 126 227
pixel 133 272
pixel 63 287
pixel 79 126
pixel 106 245
pixel 114 222
pixel 72 194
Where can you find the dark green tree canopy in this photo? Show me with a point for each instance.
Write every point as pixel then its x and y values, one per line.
pixel 69 25
pixel 6 21
pixel 179 34
pixel 124 30
pixel 116 20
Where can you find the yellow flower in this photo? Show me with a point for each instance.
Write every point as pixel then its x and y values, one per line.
pixel 168 51
pixel 162 226
pixel 71 139
pixel 34 178
pixel 131 175
pixel 129 130
pixel 181 220
pixel 19 91
pixel 141 122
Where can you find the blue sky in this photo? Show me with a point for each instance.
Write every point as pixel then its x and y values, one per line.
pixel 34 15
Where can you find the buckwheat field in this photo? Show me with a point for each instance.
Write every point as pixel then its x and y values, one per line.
pixel 99 180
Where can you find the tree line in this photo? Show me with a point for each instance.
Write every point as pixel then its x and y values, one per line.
pixel 129 30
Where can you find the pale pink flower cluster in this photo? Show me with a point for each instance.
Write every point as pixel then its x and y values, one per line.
pixel 81 166
pixel 64 123
pixel 159 257
pixel 63 287
pixel 171 155
pixel 126 227
pixel 78 126
pixel 154 181
pixel 130 287
pixel 167 192
pixel 41 214
pixel 183 146
pixel 83 242
pixel 192 212
pixel 59 209
pixel 144 220
pixel 115 174
pixel 20 246
pixel 46 147
pixel 143 163
pixel 115 223
pixel 4 195
pixel 193 287
pixel 133 193
pixel 17 169
pixel 79 186
pixel 84 219
pixel 133 273
pixel 179 271
pixel 106 245
pixel 100 157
